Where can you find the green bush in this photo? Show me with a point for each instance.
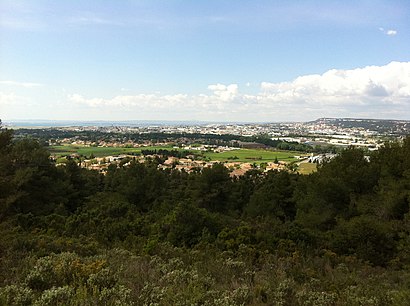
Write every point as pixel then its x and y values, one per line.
pixel 16 295
pixel 55 296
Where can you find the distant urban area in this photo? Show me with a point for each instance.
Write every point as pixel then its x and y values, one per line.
pixel 292 146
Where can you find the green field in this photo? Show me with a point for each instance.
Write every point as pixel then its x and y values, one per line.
pixel 242 155
pixel 252 155
pixel 86 151
pixel 307 168
pixel 98 151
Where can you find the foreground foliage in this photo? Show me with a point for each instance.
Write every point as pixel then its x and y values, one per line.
pixel 141 236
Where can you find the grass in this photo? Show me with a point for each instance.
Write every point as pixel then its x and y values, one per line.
pixel 98 151
pixel 307 168
pixel 252 155
pixel 242 155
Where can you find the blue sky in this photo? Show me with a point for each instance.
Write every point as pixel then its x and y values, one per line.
pixel 204 60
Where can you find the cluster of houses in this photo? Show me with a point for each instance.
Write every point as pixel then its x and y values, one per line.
pixel 318 159
pixel 101 164
pixel 236 168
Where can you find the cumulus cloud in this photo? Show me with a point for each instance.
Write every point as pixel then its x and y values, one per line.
pixel 393 80
pixel 373 91
pixel 223 92
pixel 388 32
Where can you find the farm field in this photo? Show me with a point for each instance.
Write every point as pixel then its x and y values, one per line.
pixel 252 155
pixel 98 151
pixel 307 168
pixel 242 155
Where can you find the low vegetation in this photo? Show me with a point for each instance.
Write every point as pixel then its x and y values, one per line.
pixel 143 236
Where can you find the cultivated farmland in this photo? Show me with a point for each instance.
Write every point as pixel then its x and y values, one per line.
pixel 241 155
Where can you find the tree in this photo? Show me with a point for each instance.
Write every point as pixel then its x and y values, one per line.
pixel 334 189
pixel 186 223
pixel 274 197
pixel 108 215
pixel 213 188
pixel 6 168
pixel 142 184
pixel 366 237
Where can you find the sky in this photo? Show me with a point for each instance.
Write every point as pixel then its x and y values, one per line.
pixel 210 60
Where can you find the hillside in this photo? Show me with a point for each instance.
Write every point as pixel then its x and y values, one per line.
pixel 144 236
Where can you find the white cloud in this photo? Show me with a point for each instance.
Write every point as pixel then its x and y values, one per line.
pixel 223 92
pixel 373 91
pixel 21 84
pixel 388 32
pixel 345 82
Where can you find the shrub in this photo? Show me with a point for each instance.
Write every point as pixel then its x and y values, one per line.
pixel 55 296
pixel 16 295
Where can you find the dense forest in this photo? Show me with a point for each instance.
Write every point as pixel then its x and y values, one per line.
pixel 143 236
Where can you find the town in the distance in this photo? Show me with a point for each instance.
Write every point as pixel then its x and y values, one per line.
pixel 290 146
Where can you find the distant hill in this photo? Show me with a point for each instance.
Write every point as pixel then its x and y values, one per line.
pixel 378 125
